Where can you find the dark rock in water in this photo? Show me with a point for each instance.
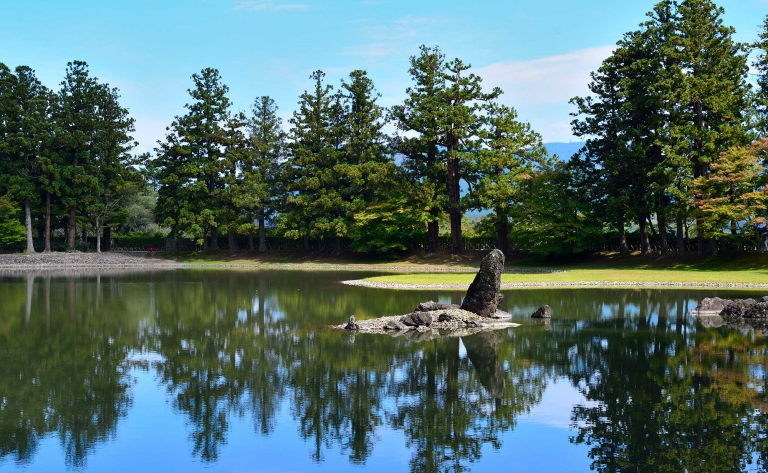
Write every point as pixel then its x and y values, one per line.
pixel 445 317
pixel 712 304
pixel 351 325
pixel 764 299
pixel 417 319
pixel 745 308
pixel 483 295
pixel 430 306
pixel 543 312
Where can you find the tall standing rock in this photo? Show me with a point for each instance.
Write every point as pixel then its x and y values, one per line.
pixel 483 295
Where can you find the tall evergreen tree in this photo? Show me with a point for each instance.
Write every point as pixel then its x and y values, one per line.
pixel 511 153
pixel 191 160
pixel 761 65
pixel 76 123
pixel 314 208
pixel 709 91
pixel 112 146
pixel 460 122
pixel 25 114
pixel 420 114
pixel 263 189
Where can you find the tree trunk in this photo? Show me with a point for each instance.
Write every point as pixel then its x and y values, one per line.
pixel 714 247
pixel 214 238
pixel 453 197
pixel 700 240
pixel 336 245
pixel 84 235
pixel 306 242
pixel 623 248
pixel 262 231
pixel 661 217
pixel 680 234
pixel 47 223
pixel 320 244
pixel 433 236
pixel 250 242
pixel 231 242
pixel 107 237
pixel 28 226
pixel 502 236
pixel 98 236
pixel 72 229
pixel 643 235
pixel 206 241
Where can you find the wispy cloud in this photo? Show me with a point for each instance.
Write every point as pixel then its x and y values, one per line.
pixel 267 5
pixel 550 80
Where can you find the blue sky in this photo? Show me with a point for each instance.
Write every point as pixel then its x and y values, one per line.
pixel 539 51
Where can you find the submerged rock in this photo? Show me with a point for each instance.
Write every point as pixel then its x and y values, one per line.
pixel 543 312
pixel 483 296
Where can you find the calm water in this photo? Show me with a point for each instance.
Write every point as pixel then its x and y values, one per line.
pixel 235 371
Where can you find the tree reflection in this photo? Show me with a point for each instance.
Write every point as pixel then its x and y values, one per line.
pixel 665 401
pixel 59 374
pixel 665 393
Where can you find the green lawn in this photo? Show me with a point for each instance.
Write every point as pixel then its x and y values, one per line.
pixel 584 275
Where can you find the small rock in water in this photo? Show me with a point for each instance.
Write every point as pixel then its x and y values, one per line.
pixel 351 325
pixel 543 312
pixel 430 306
pixel 483 296
pixel 445 317
pixel 417 319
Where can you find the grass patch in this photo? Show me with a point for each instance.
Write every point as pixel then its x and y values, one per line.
pixel 589 275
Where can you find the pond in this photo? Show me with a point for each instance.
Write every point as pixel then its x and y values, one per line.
pixel 191 370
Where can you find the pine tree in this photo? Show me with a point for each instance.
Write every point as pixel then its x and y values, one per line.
pixel 511 153
pixel 76 123
pixel 262 187
pixel 111 156
pixel 709 90
pixel 26 122
pixel 460 121
pixel 761 65
pixel 314 208
pixel 191 159
pixel 423 159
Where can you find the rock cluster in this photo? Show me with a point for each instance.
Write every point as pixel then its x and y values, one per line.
pixel 733 309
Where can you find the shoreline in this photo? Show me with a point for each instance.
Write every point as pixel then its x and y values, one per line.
pixel 566 284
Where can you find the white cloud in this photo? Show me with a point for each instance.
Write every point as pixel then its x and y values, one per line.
pixel 267 5
pixel 550 80
pixel 370 50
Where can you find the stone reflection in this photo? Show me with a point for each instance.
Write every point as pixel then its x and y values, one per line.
pixel 63 372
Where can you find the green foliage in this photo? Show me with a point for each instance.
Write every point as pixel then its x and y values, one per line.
pixel 557 218
pixel 141 240
pixel 734 195
pixel 761 65
pixel 11 229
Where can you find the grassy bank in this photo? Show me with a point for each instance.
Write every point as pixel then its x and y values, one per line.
pixel 726 268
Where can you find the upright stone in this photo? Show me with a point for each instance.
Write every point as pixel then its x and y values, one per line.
pixel 483 295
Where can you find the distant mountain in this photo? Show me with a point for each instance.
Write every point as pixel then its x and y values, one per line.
pixel 564 150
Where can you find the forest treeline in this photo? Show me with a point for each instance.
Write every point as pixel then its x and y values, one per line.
pixel 674 129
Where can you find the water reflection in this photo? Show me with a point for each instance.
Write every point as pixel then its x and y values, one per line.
pixel 665 394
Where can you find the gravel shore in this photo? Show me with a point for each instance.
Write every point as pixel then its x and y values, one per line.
pixel 387 285
pixel 65 261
